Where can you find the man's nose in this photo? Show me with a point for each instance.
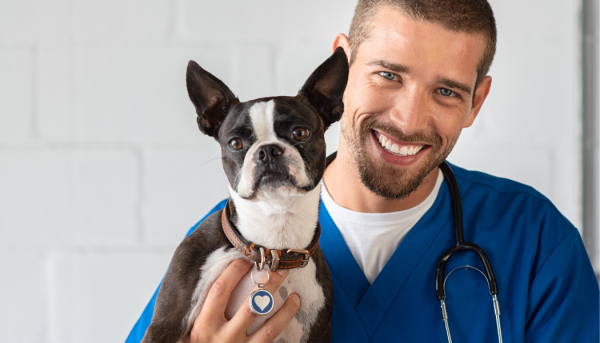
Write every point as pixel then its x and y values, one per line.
pixel 410 112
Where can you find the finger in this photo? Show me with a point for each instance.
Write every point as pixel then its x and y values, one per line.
pixel 220 291
pixel 274 326
pixel 244 316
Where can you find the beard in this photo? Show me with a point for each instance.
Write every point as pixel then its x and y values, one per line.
pixel 386 180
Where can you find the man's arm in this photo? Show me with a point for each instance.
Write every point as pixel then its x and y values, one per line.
pixel 563 303
pixel 211 324
pixel 139 329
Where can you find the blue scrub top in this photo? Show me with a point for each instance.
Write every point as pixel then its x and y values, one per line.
pixel 546 285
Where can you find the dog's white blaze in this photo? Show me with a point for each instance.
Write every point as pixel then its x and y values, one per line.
pixel 299 281
pixel 262 116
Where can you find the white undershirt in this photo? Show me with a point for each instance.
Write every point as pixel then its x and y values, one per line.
pixel 373 237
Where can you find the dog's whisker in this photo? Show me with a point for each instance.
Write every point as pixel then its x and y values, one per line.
pixel 210 160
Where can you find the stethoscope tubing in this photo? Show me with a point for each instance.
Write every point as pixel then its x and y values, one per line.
pixel 462 245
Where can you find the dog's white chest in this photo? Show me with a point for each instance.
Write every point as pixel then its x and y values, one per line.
pixel 301 281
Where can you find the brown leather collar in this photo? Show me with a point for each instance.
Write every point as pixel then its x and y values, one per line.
pixel 275 258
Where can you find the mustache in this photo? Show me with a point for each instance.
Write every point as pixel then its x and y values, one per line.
pixel 420 136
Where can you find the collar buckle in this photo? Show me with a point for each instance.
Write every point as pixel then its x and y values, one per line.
pixel 274 260
pixel 306 254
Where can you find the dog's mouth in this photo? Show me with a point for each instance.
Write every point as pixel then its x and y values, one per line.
pixel 273 180
pixel 273 183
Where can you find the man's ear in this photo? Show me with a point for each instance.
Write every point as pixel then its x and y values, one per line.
pixel 211 97
pixel 325 87
pixel 479 97
pixel 341 40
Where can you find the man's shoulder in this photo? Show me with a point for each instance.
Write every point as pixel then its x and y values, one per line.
pixel 497 185
pixel 516 214
pixel 508 198
pixel 219 206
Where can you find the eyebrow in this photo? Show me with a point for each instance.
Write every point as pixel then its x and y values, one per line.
pixel 397 68
pixel 454 84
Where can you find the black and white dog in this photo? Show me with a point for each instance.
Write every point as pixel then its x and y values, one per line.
pixel 273 153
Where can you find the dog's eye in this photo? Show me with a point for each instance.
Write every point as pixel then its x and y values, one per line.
pixel 236 144
pixel 300 134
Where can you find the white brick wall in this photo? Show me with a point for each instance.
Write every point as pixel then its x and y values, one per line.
pixel 102 167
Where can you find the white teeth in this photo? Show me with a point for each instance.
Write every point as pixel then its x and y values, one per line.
pixel 394 148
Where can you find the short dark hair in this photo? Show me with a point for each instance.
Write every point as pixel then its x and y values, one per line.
pixel 470 16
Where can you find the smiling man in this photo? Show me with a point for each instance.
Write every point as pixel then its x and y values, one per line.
pixel 411 90
pixel 418 76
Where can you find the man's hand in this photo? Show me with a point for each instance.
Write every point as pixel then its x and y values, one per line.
pixel 211 325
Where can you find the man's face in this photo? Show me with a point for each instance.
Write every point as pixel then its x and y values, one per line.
pixel 409 94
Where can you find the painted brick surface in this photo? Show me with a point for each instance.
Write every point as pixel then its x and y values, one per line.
pixel 99 294
pixel 54 90
pixel 266 20
pixel 253 69
pixel 105 201
pixel 295 63
pixel 180 188
pixel 35 199
pixel 24 292
pixel 526 102
pixel 16 96
pixel 536 20
pixel 35 21
pixel 129 20
pixel 103 169
pixel 138 94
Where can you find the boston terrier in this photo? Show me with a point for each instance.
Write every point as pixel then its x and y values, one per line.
pixel 273 153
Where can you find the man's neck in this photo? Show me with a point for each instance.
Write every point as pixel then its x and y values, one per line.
pixel 343 183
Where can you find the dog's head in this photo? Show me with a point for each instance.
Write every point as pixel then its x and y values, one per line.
pixel 271 144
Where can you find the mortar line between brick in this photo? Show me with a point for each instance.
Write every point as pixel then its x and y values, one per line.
pixel 139 234
pixel 171 20
pixel 273 55
pixel 176 21
pixel 35 78
pixel 51 301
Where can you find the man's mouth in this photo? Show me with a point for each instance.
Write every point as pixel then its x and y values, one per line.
pixel 397 148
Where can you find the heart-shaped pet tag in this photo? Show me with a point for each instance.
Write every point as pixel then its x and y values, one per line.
pixel 261 302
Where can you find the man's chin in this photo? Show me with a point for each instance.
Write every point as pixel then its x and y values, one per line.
pixel 392 181
pixel 387 183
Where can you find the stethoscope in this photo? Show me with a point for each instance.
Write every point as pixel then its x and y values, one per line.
pixel 461 245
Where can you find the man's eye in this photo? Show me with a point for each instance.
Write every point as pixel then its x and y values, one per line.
pixel 388 75
pixel 446 92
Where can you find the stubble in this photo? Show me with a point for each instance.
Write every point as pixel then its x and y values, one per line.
pixel 385 180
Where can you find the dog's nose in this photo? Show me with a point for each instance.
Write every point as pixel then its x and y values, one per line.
pixel 268 153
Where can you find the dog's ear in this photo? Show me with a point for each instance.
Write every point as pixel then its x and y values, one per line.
pixel 211 97
pixel 325 87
